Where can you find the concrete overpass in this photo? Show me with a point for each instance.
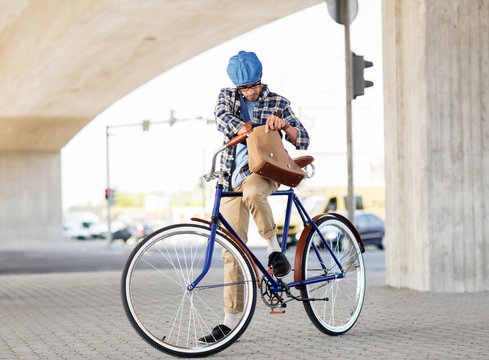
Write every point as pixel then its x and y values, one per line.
pixel 63 62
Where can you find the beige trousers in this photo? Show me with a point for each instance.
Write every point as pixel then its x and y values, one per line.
pixel 236 210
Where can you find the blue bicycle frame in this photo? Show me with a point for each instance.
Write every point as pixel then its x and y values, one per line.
pixel 275 285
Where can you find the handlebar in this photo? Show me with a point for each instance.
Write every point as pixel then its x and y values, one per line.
pixel 235 140
pixel 213 175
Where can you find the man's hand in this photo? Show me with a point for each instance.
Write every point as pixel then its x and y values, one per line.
pixel 275 123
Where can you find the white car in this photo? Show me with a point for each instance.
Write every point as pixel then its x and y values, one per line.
pixel 77 225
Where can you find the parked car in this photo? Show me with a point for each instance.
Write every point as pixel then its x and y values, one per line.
pixel 98 230
pixel 143 230
pixel 77 225
pixel 136 231
pixel 291 235
pixel 314 205
pixel 122 234
pixel 371 228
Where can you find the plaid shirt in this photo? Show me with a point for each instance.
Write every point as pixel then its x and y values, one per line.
pixel 227 113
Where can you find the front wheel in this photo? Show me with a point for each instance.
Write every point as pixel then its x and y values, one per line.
pixel 338 256
pixel 159 304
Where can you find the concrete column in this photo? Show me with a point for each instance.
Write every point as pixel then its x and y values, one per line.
pixel 436 93
pixel 30 199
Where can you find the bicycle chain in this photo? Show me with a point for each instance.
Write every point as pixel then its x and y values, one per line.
pixel 272 299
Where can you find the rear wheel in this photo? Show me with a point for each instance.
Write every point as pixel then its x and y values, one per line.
pixel 155 291
pixel 338 301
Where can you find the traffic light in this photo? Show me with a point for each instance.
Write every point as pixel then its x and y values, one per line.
pixel 359 82
pixel 110 196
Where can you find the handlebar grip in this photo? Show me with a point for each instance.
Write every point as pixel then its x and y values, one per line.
pixel 236 140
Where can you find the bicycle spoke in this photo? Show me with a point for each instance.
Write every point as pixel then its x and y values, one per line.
pixel 162 267
pixel 162 272
pixel 177 315
pixel 211 310
pixel 179 263
pixel 345 293
pixel 170 261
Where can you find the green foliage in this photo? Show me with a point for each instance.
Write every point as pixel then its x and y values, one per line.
pixel 129 199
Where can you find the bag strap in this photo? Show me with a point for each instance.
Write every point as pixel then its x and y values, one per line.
pixel 246 114
pixel 244 108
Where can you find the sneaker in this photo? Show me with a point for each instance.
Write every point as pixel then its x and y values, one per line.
pixel 219 332
pixel 279 263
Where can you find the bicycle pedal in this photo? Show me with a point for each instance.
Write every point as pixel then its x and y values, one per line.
pixel 275 312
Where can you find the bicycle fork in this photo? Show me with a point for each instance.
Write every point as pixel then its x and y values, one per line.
pixel 210 243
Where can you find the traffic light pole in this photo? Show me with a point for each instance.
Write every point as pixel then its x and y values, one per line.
pixel 349 131
pixel 109 229
pixel 344 12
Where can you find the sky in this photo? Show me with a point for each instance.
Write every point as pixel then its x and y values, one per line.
pixel 304 63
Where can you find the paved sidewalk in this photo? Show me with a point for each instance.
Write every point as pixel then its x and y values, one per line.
pixel 80 316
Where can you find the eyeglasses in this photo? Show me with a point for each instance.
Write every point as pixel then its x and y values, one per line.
pixel 247 88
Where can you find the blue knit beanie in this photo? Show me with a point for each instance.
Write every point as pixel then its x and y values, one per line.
pixel 244 68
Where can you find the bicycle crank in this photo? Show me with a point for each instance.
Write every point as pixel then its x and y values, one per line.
pixel 272 299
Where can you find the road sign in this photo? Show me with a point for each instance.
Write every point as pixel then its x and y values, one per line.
pixel 335 8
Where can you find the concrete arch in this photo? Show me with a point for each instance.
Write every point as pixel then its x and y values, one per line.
pixel 63 60
pixel 61 66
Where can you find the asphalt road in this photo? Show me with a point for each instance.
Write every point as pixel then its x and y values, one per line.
pixel 96 255
pixel 76 256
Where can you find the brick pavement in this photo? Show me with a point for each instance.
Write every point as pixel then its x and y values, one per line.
pixel 80 316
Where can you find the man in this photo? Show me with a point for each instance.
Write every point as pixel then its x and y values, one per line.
pixel 245 71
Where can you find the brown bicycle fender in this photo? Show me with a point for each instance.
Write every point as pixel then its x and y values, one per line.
pixel 302 243
pixel 353 230
pixel 300 250
pixel 236 241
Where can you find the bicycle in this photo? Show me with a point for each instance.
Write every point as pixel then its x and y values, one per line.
pixel 172 283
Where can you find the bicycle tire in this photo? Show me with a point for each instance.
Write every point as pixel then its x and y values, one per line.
pixel 155 295
pixel 345 296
